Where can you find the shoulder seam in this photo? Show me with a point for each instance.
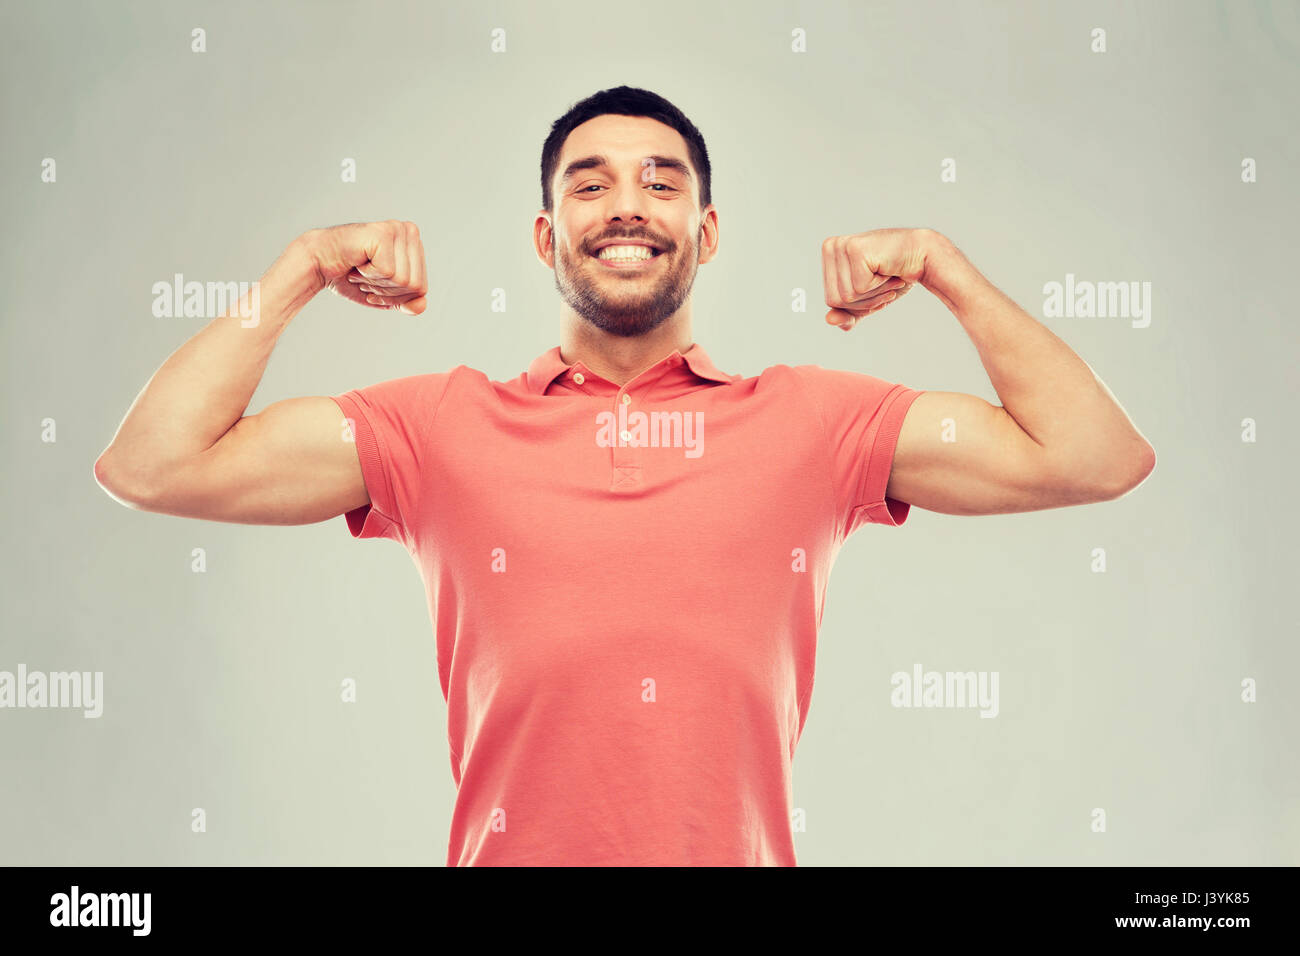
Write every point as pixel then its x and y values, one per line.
pixel 421 447
pixel 428 427
pixel 827 469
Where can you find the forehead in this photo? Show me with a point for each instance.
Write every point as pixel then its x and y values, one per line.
pixel 624 139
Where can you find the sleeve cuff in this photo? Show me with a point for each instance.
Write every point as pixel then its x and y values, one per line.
pixel 879 508
pixel 369 521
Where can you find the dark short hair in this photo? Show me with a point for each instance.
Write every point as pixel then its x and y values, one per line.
pixel 625 101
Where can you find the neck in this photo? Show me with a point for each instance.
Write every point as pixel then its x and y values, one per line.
pixel 617 358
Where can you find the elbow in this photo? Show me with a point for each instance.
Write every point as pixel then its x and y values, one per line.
pixel 1148 463
pixel 122 484
pixel 1140 467
pixel 1144 465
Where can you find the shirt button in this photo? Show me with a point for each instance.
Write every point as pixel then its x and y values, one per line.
pixel 626 436
pixel 577 377
pixel 627 399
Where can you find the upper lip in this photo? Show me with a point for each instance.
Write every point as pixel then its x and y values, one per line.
pixel 626 242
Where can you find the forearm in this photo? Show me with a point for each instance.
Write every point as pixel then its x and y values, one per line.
pixel 1052 394
pixel 205 386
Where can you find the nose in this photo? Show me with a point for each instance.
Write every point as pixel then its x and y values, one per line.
pixel 627 203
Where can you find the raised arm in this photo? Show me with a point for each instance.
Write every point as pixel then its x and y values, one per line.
pixel 1058 438
pixel 186 448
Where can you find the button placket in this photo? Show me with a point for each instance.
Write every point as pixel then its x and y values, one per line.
pixel 626 474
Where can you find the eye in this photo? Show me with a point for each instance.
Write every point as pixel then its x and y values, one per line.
pixel 660 185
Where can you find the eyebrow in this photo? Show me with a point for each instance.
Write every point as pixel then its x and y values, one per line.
pixel 595 162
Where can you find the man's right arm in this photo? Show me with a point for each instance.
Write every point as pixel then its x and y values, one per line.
pixel 186 448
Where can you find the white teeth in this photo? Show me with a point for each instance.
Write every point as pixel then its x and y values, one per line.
pixel 625 252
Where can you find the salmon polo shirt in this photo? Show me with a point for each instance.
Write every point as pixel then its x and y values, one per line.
pixel 625 585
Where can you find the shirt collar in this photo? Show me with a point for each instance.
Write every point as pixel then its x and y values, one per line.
pixel 549 366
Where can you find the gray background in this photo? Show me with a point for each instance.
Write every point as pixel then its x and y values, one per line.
pixel 1118 690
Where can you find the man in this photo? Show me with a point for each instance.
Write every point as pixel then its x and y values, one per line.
pixel 625 549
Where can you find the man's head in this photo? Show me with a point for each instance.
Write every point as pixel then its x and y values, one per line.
pixel 625 164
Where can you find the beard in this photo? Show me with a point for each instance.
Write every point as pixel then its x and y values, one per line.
pixel 627 304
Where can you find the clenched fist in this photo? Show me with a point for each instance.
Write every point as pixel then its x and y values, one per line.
pixel 379 264
pixel 865 272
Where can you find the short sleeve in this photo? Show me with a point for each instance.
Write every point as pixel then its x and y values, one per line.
pixel 861 417
pixel 391 423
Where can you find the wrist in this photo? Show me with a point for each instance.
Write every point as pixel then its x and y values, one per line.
pixel 947 270
pixel 301 261
pixel 292 280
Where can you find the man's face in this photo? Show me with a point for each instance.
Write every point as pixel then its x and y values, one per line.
pixel 635 199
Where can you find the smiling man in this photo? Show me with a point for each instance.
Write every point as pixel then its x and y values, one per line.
pixel 626 614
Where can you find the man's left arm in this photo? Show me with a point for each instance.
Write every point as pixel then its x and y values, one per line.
pixel 1058 438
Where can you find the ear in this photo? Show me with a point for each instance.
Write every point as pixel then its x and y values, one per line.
pixel 544 239
pixel 709 233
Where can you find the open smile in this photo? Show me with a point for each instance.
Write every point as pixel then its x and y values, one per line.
pixel 626 263
pixel 631 255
